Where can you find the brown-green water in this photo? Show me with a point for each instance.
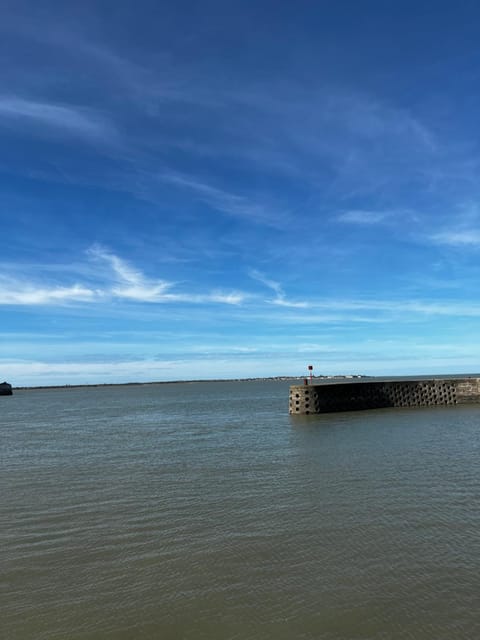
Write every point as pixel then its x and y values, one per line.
pixel 204 511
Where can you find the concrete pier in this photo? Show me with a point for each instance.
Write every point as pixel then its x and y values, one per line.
pixel 381 393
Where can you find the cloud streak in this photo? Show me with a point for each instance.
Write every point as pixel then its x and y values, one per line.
pixel 19 293
pixel 226 202
pixel 122 282
pixel 280 298
pixel 77 121
pixel 129 283
pixel 457 238
pixel 364 217
pixel 117 279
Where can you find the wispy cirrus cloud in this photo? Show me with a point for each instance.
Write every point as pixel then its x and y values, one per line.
pixel 23 293
pixel 227 202
pixel 372 118
pixel 462 229
pixel 280 298
pixel 128 282
pixel 364 217
pixel 457 237
pixel 409 308
pixel 131 284
pixel 75 120
pixel 345 312
pixel 279 127
pixel 351 132
pixel 120 281
pixel 147 83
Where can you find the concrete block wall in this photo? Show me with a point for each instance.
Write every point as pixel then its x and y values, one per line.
pixel 351 396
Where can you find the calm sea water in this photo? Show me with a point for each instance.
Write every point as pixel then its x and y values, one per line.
pixel 203 510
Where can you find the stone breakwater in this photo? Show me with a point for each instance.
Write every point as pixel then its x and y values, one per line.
pixel 379 394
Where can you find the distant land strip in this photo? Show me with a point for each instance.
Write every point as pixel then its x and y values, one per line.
pixel 133 384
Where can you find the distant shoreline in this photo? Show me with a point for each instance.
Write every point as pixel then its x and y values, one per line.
pixel 138 384
pixel 293 379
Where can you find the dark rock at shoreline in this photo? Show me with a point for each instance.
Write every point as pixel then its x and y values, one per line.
pixel 5 389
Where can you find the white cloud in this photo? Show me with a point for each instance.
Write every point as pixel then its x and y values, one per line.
pixel 131 283
pixel 405 308
pixel 342 312
pixel 280 297
pixel 360 216
pixel 457 237
pixel 227 202
pixel 232 298
pixel 226 298
pixel 373 119
pixel 271 284
pixel 18 293
pixel 75 120
pixel 122 281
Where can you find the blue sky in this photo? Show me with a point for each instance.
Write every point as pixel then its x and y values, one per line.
pixel 234 189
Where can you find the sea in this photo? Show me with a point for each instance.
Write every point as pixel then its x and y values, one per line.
pixel 204 511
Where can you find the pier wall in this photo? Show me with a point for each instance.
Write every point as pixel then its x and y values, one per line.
pixel 380 394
